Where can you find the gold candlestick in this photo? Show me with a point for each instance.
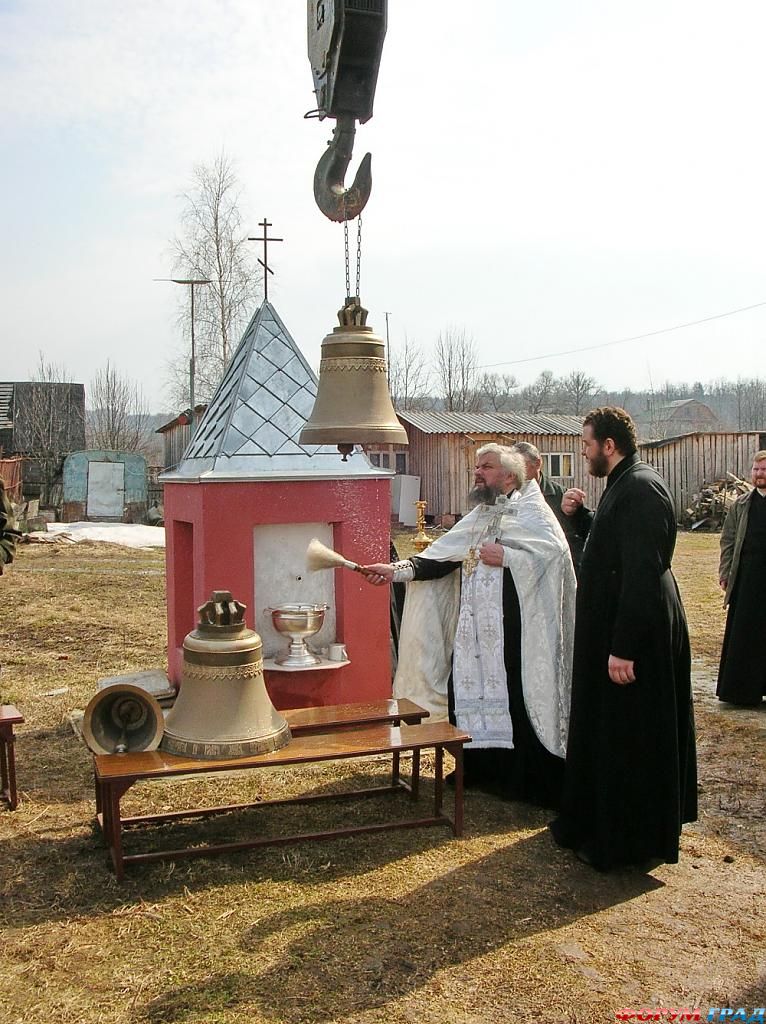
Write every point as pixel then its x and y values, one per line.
pixel 421 540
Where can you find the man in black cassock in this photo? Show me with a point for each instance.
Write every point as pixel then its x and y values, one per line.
pixel 630 777
pixel 741 574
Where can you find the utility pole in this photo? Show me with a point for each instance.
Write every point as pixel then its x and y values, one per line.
pixel 192 282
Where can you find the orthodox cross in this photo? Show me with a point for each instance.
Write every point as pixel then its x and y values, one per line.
pixel 265 224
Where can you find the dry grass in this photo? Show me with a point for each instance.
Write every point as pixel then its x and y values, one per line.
pixel 413 926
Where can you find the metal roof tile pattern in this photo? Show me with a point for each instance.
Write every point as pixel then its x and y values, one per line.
pixel 491 423
pixel 251 427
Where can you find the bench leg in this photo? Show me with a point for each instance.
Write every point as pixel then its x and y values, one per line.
pixel 415 780
pixel 395 764
pixel 8 767
pixel 438 781
pixel 108 795
pixel 457 753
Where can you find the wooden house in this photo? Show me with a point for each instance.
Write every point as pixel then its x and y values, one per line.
pixel 442 449
pixel 671 419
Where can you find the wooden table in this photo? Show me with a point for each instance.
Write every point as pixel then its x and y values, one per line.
pixel 318 734
pixel 9 716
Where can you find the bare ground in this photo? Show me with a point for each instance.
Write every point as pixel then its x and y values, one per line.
pixel 415 926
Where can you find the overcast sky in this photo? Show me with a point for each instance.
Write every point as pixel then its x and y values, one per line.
pixel 547 176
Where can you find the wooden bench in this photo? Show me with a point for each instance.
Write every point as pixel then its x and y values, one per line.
pixel 9 717
pixel 394 711
pixel 341 737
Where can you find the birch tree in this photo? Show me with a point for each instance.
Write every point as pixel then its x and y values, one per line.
pixel 212 244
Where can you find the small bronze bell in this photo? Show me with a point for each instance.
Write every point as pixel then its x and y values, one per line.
pixel 222 709
pixel 353 405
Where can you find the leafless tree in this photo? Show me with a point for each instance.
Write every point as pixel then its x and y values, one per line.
pixel 409 377
pixel 212 244
pixel 539 395
pixel 456 370
pixel 117 415
pixel 576 392
pixel 657 416
pixel 49 423
pixel 495 392
pixel 750 396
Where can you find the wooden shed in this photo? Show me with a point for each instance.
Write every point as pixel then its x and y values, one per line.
pixel 691 460
pixel 177 433
pixel 442 450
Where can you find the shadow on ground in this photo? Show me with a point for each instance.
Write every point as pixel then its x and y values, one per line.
pixel 331 960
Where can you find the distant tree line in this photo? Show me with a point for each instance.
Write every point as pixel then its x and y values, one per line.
pixel 450 378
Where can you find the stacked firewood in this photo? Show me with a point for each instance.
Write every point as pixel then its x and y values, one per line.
pixel 708 509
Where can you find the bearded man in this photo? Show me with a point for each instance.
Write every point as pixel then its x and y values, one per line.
pixel 491 646
pixel 630 779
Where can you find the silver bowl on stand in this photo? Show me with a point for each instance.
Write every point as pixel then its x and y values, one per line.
pixel 298 622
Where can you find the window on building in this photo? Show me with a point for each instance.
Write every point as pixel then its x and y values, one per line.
pixel 374 458
pixel 558 464
pixel 401 463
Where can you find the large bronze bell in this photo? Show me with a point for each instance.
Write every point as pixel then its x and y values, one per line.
pixel 222 709
pixel 353 405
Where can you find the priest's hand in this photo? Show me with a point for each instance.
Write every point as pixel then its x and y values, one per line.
pixel 491 554
pixel 379 573
pixel 621 671
pixel 572 499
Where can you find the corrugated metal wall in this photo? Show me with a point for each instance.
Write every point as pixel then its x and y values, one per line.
pixel 444 463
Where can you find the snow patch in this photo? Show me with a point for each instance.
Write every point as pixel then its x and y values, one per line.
pixel 130 535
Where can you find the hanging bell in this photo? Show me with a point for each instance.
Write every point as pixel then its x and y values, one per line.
pixel 222 709
pixel 353 405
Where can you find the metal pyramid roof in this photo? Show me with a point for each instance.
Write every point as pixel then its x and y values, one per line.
pixel 251 427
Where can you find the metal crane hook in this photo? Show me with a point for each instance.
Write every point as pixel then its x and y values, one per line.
pixel 337 202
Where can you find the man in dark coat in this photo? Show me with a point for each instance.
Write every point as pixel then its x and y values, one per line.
pixel 8 532
pixel 553 493
pixel 630 778
pixel 742 674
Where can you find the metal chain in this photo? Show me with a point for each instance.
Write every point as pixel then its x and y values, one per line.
pixel 358 256
pixel 345 246
pixel 347 256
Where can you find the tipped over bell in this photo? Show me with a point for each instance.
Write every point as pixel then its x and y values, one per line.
pixel 353 405
pixel 122 718
pixel 222 709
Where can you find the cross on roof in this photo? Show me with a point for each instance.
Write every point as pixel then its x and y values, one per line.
pixel 265 224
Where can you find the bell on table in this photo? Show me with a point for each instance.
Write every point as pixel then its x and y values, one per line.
pixel 222 709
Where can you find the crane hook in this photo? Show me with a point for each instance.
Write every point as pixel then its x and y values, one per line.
pixel 337 202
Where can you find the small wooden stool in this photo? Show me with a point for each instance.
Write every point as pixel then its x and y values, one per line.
pixel 9 716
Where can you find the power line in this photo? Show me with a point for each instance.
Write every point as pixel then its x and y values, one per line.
pixel 622 341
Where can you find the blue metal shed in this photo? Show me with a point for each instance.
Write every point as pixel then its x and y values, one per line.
pixel 105 485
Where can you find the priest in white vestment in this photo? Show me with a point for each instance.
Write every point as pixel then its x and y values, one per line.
pixel 490 647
